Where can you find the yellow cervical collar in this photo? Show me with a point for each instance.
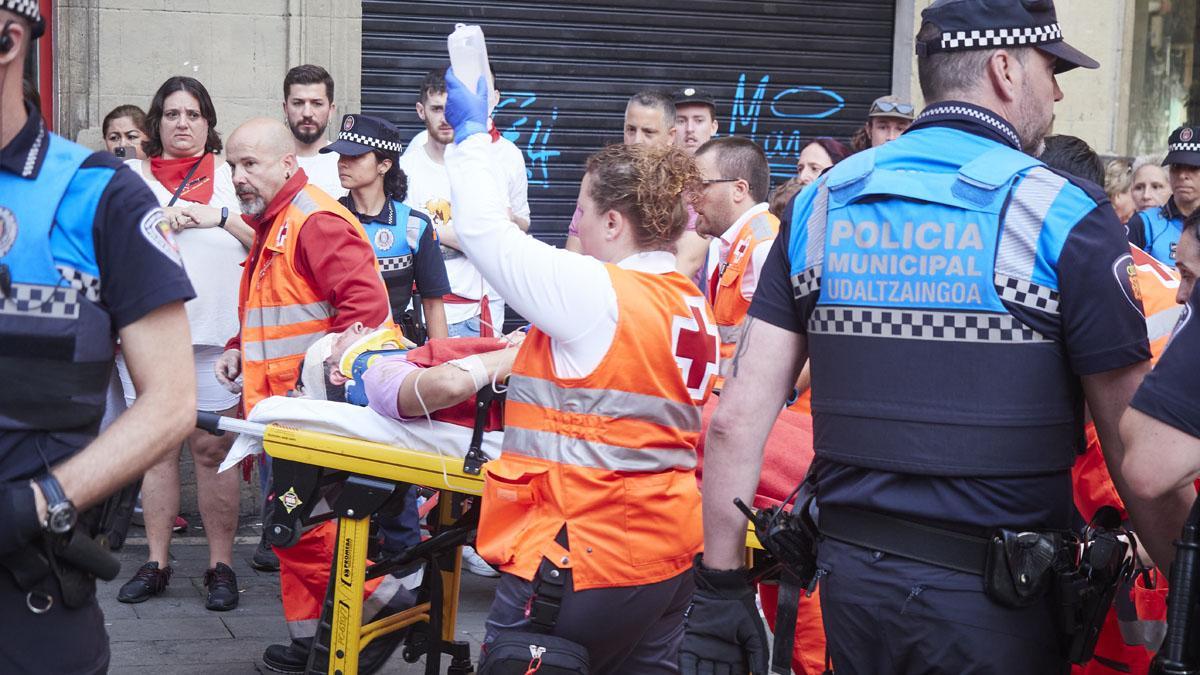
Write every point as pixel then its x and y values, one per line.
pixel 379 339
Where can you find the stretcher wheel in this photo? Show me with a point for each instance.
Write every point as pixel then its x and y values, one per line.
pixel 417 644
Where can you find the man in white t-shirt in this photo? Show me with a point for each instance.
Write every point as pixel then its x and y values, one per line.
pixel 472 308
pixel 308 106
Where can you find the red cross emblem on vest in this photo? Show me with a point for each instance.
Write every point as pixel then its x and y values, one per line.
pixel 695 345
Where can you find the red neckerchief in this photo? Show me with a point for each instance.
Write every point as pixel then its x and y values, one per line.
pixel 171 172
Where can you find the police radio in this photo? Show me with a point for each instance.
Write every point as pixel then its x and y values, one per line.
pixel 789 536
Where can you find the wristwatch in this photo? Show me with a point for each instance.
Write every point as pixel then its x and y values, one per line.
pixel 60 512
pixel 224 217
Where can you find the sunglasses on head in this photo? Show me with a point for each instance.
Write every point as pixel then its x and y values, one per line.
pixel 888 106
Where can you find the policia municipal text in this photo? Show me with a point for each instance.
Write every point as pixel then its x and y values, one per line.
pixel 85 255
pixel 945 425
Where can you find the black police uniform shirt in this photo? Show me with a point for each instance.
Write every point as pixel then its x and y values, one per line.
pixel 139 272
pixel 1099 328
pixel 1171 392
pixel 387 236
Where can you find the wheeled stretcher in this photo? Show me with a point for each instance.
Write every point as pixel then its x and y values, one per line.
pixel 319 476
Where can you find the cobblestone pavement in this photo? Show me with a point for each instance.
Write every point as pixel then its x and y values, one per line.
pixel 174 634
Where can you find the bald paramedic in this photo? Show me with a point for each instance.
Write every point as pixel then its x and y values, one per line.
pixel 311 271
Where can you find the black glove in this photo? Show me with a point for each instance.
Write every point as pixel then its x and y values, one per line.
pixel 723 634
pixel 18 516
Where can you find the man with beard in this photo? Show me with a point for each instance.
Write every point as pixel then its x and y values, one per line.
pixel 308 106
pixel 310 272
pixel 473 308
pixel 961 302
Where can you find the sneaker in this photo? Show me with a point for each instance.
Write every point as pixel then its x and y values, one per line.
pixel 264 559
pixel 180 526
pixel 148 581
pixel 222 588
pixel 289 658
pixel 476 565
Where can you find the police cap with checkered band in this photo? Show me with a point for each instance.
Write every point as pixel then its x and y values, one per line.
pixel 28 10
pixel 361 134
pixel 997 24
pixel 1183 147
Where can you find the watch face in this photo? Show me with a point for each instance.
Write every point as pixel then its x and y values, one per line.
pixel 61 518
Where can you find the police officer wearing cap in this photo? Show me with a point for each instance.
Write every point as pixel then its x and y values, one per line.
pixel 85 256
pixel 1156 230
pixel 404 239
pixel 960 303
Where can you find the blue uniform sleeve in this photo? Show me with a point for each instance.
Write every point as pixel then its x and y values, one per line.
pixel 775 298
pixel 1171 392
pixel 139 261
pixel 430 268
pixel 1102 321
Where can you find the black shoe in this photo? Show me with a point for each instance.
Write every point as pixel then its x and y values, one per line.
pixel 264 559
pixel 222 588
pixel 289 658
pixel 148 581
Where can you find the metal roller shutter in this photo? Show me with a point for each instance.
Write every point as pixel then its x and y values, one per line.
pixel 783 72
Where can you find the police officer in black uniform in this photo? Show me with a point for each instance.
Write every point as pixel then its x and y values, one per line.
pixel 404 239
pixel 85 256
pixel 959 302
pixel 1161 432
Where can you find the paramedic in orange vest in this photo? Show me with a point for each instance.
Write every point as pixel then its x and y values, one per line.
pixel 311 271
pixel 596 482
pixel 732 209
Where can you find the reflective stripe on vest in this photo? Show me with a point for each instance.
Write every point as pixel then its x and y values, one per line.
pixel 270 317
pixel 594 455
pixel 278 348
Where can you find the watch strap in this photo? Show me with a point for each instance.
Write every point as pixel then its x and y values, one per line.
pixel 51 489
pixel 224 217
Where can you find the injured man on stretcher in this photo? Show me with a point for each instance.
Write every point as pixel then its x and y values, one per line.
pixel 421 399
pixel 364 384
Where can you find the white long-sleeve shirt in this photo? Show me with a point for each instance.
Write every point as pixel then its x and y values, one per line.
pixel 568 296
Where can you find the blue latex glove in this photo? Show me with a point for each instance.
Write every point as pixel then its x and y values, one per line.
pixel 467 112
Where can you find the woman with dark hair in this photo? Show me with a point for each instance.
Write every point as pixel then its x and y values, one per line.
pixel 404 239
pixel 125 127
pixel 197 194
pixel 596 484
pixel 817 156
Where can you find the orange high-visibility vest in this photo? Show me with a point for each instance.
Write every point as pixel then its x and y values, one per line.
pixel 1157 284
pixel 281 314
pixel 610 456
pixel 729 305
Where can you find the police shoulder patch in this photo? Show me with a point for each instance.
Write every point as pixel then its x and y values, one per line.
pixel 154 229
pixel 1125 272
pixel 8 230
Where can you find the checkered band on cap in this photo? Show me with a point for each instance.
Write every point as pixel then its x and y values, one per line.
pixel 1184 147
pixel 386 146
pixel 1001 37
pixel 26 8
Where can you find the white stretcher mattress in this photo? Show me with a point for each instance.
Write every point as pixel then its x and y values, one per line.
pixel 344 419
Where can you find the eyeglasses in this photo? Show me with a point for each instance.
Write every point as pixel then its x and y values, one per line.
pixel 710 181
pixel 888 106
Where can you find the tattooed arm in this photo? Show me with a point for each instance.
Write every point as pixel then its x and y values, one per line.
pixel 764 369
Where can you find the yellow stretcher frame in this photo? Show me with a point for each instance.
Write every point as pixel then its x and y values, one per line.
pixel 376 460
